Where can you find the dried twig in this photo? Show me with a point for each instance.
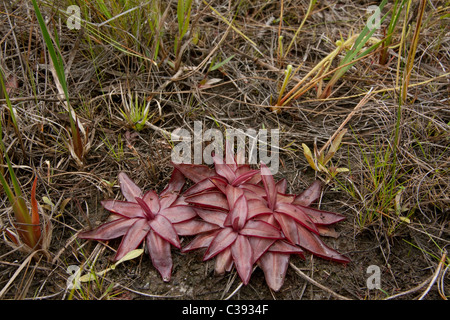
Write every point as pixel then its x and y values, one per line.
pixel 350 115
pixel 435 275
pixel 430 281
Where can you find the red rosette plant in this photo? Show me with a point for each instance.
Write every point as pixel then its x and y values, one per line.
pixel 146 216
pixel 236 198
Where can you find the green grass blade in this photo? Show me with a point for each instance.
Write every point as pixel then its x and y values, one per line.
pixel 360 42
pixel 311 5
pixel 8 101
pixel 354 53
pixel 59 68
pixel 11 112
pixel 221 64
pixel 56 58
pixel 14 180
pixel 7 189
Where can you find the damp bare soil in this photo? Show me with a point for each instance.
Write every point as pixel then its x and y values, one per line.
pixel 395 196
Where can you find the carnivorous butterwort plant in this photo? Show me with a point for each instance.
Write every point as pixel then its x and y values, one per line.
pixel 241 216
pixel 256 221
pixel 146 216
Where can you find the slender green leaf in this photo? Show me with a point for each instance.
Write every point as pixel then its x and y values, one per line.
pixel 55 56
pixel 94 275
pixel 221 64
pixel 359 43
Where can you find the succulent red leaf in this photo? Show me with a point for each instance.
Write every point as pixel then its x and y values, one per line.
pixel 256 208
pixel 178 213
pixel 285 198
pixel 235 175
pixel 133 238
pixel 282 246
pixel 321 217
pixel 244 177
pixel 224 261
pixel 315 245
pixel 202 186
pixel 123 208
pixel 274 262
pixel 232 195
pixel 261 229
pixel 160 253
pixel 129 189
pixel 144 206
pixel 151 199
pixel 224 170
pixel 180 201
pixel 281 186
pixel 175 185
pixel 109 230
pixel 242 169
pixel 219 183
pixel 257 190
pixel 242 253
pixel 274 266
pixel 309 195
pixel 288 226
pixel 238 214
pixel 203 240
pixel 209 199
pixel 164 228
pixel 298 215
pixel 212 216
pixel 269 185
pixel 195 172
pixel 193 227
pixel 260 246
pixel 224 238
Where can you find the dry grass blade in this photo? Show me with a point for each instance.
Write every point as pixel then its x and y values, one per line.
pixel 78 145
pixel 317 284
pixel 24 264
pixel 435 275
pixel 412 50
pixel 347 119
pixel 5 95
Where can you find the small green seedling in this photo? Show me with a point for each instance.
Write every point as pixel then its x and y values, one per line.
pixel 135 112
pixel 94 275
pixel 319 161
